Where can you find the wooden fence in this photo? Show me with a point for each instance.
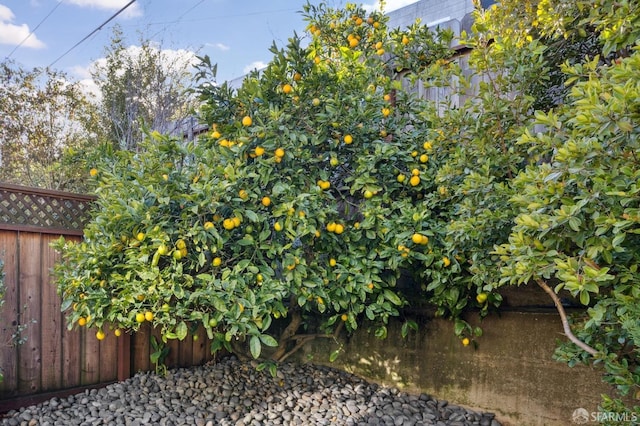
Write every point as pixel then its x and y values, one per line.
pixel 38 354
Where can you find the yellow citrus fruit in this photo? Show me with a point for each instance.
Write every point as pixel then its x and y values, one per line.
pixel 405 40
pixel 216 134
pixel 481 297
pixel 368 194
pixel 442 190
pixel 247 121
pixel 93 172
pixel 315 102
pixel 266 201
pixel 236 221
pixel 140 317
pixel 424 158
pixel 332 262
pixel 427 145
pixel 279 153
pixel 414 181
pixel 415 172
pixel 216 261
pixel 140 297
pixel 378 45
pixel 228 224
pixel 177 254
pixel 180 244
pixel 380 52
pixel 148 316
pixel 401 178
pixel 297 76
pixel 353 42
pixel 370 286
pixel 344 317
pixel 425 240
pixel 277 226
pixel 140 236
pixel 243 194
pixel 82 321
pixel 259 150
pixel 348 139
pixel 386 111
pixel 117 332
pixel 446 261
pixel 465 341
pixel 100 335
pixel 387 97
pixel 317 233
pixel 339 229
pixel 208 225
pixel 331 226
pixel 287 88
pixel 417 238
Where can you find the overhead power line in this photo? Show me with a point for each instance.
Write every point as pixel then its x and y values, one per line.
pixel 34 30
pixel 93 32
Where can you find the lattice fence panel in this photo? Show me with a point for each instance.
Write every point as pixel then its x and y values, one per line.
pixel 43 210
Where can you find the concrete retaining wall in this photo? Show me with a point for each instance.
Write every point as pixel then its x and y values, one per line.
pixel 510 373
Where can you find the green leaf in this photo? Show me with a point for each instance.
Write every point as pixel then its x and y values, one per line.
pixel 181 330
pixel 334 355
pixel 268 340
pixel 392 297
pixel 255 346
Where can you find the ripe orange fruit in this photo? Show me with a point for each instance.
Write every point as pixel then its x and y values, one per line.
pixel 348 139
pixel 266 201
pixel 414 181
pixel 353 42
pixel 286 89
pixel 100 335
pixel 247 121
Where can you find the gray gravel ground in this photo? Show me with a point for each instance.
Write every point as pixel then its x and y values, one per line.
pixel 231 392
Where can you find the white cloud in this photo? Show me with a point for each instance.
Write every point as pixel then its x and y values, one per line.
pixel 256 65
pixel 389 5
pixel 114 5
pixel 220 46
pixel 12 34
pixel 180 59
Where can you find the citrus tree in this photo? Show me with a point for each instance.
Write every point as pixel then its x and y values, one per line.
pixel 306 199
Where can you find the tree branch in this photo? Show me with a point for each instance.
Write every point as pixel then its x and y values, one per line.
pixel 302 340
pixel 563 317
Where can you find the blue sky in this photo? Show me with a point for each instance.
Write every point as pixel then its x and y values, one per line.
pixel 235 34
